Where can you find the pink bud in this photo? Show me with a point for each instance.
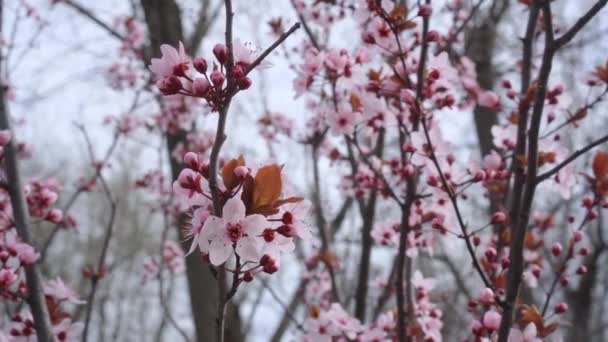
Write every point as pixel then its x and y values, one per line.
pixel 268 235
pixel 479 176
pixel 564 280
pixel 477 327
pixel 561 308
pixel 169 85
pixel 408 147
pixel 241 171
pixel 505 262
pixel 200 86
pixel 248 277
pixel 582 269
pixel 368 38
pixel 238 71
pixel 409 170
pixel 217 78
pixel 498 218
pixel 490 253
pixel 583 251
pixel 244 83
pixel 221 53
pixel 191 160
pixel 200 64
pixel 487 296
pixel 556 249
pixel 5 137
pixel 536 271
pixel 286 230
pixel 476 240
pixel 450 158
pixel 577 236
pixel 425 10
pixel 269 264
pixel 491 320
pixel 432 36
pixel 54 216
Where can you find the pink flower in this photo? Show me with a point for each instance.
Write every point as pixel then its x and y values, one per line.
pixel 343 121
pixel 7 277
pixel 528 335
pixel 491 320
pixel 27 254
pixel 199 217
pixel 171 61
pixel 191 187
pixel 234 232
pixel 246 55
pixel 66 331
pixel 60 291
pixel 488 99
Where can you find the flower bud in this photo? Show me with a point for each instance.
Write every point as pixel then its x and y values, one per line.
pixel 244 83
pixel 498 218
pixel 200 87
pixel 200 64
pixel 248 277
pixel 487 296
pixel 217 78
pixel 425 10
pixel 556 249
pixel 221 53
pixel 582 269
pixel 561 308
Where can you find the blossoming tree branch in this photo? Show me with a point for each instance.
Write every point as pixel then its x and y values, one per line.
pixel 438 172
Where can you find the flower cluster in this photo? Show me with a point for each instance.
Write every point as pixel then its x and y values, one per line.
pixel 176 73
pixel 257 222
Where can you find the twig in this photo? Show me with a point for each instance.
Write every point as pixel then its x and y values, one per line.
pixel 95 277
pixel 570 159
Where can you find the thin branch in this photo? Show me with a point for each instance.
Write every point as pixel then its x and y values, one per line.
pixel 91 16
pixel 570 159
pixel 580 23
pixel 95 277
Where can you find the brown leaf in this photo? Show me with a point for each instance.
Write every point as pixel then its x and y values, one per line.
pixel 355 103
pixel 600 165
pixel 407 25
pixel 230 179
pixel 267 186
pixel 530 314
pixel 247 195
pixel 602 73
pixel 399 12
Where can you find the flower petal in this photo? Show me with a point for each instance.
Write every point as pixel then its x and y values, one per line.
pixel 234 210
pixel 254 224
pixel 248 249
pixel 219 252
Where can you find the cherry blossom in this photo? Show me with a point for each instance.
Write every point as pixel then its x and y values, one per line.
pixel 234 232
